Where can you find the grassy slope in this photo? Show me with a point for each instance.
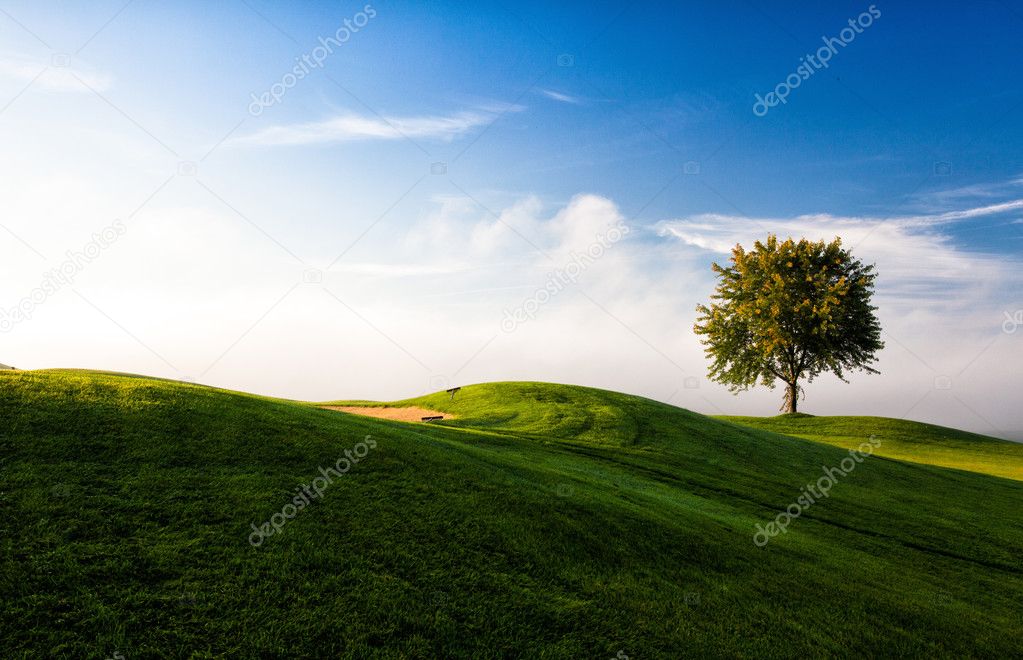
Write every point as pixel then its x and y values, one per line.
pixel 904 440
pixel 547 521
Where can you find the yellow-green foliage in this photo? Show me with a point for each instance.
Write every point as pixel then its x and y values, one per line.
pixel 788 311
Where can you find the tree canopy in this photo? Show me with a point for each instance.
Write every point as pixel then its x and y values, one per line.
pixel 789 311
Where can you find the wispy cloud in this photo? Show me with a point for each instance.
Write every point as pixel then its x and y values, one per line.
pixel 561 97
pixel 58 74
pixel 977 192
pixel 953 216
pixel 716 232
pixel 350 126
pixel 402 269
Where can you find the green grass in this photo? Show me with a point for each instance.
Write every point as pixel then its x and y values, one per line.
pixel 546 521
pixel 904 440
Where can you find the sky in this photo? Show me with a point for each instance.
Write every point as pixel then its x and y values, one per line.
pixel 378 200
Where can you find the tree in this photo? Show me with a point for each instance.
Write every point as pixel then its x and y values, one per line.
pixel 786 311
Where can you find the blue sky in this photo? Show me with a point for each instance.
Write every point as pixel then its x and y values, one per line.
pixel 552 124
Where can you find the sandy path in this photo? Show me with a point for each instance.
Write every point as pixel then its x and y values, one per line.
pixel 411 414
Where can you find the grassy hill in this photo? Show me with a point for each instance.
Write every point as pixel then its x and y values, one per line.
pixel 544 521
pixel 904 440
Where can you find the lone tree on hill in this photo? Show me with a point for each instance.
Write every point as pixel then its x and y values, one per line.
pixel 788 311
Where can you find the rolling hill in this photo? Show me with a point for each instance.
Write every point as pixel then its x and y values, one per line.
pixel 542 520
pixel 904 440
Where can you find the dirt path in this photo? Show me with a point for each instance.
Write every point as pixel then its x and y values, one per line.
pixel 411 414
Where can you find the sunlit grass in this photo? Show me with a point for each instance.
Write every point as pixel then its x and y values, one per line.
pixel 545 521
pixel 904 440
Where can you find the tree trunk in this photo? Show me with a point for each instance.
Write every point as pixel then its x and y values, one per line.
pixel 791 397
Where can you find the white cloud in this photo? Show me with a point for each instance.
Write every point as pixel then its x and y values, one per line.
pixel 697 239
pixel 351 126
